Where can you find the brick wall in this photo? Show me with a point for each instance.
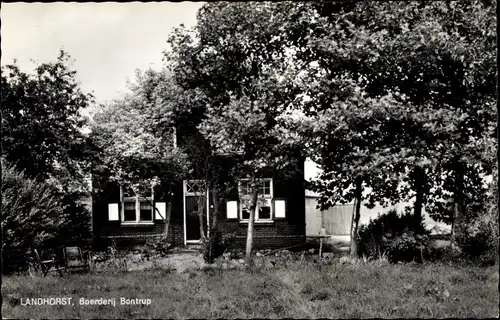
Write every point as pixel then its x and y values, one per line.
pixel 278 234
pixel 103 228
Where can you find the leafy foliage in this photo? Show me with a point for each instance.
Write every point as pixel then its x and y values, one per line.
pixel 478 235
pixel 408 247
pixel 215 245
pixel 36 214
pixel 415 54
pixel 234 61
pixel 42 111
pixel 159 244
pixel 479 241
pixel 130 146
pixel 400 237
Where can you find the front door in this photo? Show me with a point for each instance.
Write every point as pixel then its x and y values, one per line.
pixel 195 200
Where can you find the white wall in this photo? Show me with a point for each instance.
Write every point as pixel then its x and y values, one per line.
pixel 311 170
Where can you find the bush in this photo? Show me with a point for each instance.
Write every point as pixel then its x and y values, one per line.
pixel 159 244
pixel 215 245
pixel 408 247
pixel 400 237
pixel 35 214
pixel 477 232
pixel 479 240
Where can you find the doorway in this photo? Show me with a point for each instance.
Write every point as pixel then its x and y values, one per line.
pixel 195 199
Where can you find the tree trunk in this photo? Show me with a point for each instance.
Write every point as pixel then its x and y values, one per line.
pixel 458 207
pixel 419 196
pixel 453 225
pixel 215 199
pixel 251 220
pixel 168 213
pixel 355 221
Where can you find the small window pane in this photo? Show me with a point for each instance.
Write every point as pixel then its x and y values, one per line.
pixel 265 188
pixel 261 190
pixel 195 186
pixel 267 184
pixel 146 211
pixel 245 188
pixel 129 211
pixel 264 212
pixel 245 213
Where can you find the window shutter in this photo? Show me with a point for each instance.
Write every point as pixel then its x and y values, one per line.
pixel 279 209
pixel 160 210
pixel 113 212
pixel 232 209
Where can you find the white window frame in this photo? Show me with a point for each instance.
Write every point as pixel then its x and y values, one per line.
pixel 268 198
pixel 137 199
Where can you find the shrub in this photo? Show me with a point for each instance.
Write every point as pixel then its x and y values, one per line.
pixel 408 247
pixel 215 245
pixel 478 240
pixel 35 214
pixel 401 237
pixel 477 232
pixel 159 244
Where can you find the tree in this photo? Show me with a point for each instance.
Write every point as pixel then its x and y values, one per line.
pixel 42 111
pixel 234 59
pixel 350 142
pixel 130 148
pixel 44 156
pixel 440 71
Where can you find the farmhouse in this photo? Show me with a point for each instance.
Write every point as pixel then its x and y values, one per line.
pixel 121 215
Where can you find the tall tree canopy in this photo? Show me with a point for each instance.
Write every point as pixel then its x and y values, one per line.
pixel 235 59
pixel 395 96
pixel 41 119
pixel 133 147
pixel 400 94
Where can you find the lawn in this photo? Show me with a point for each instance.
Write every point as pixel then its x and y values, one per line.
pixel 297 290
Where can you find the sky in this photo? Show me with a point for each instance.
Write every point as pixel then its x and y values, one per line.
pixel 107 41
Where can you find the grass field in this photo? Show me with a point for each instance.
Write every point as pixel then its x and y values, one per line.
pixel 360 290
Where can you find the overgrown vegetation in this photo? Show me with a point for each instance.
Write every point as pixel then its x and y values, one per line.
pixel 399 236
pixel 479 240
pixel 45 158
pixel 36 214
pixel 215 245
pixel 361 290
pixel 159 244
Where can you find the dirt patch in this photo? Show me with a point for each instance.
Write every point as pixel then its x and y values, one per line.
pixel 183 261
pixel 139 261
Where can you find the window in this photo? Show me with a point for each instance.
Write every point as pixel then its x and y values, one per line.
pixel 136 209
pixel 195 187
pixel 264 201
